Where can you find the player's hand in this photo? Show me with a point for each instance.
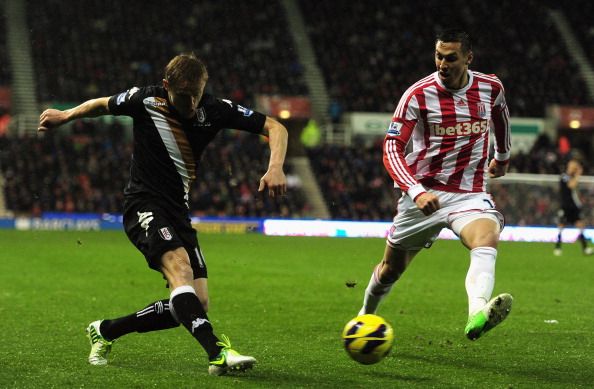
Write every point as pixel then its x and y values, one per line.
pixel 51 118
pixel 275 181
pixel 497 169
pixel 428 203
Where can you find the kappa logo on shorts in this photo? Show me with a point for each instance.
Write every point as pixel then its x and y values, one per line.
pixel 165 234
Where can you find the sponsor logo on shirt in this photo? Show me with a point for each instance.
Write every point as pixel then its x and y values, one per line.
pixel 157 103
pixel 165 234
pixel 460 129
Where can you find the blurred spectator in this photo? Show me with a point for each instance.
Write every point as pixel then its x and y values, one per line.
pixel 335 111
pixel 4 121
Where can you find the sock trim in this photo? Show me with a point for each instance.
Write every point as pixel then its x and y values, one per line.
pixel 182 289
pixel 487 248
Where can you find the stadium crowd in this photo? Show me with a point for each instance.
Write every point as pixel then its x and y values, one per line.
pixel 4 68
pixel 86 171
pixel 353 181
pixel 579 15
pixel 370 55
pixel 101 53
pixel 366 61
pixel 356 186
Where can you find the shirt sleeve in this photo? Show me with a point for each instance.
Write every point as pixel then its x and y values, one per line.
pixel 125 103
pixel 501 128
pixel 234 116
pixel 403 123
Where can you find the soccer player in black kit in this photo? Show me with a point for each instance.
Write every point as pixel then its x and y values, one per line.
pixel 173 124
pixel 571 206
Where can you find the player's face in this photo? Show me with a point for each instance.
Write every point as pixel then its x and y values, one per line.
pixel 452 64
pixel 185 99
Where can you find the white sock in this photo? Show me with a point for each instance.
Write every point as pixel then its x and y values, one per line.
pixel 480 278
pixel 375 293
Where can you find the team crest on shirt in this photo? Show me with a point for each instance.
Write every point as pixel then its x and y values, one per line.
pixel 165 234
pixel 482 111
pixel 394 129
pixel 201 115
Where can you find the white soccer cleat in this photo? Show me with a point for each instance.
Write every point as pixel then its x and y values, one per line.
pixel 229 360
pixel 557 252
pixel 100 347
pixel 588 251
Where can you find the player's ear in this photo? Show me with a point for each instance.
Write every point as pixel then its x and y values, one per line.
pixel 470 58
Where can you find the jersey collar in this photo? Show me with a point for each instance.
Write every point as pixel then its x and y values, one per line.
pixel 461 90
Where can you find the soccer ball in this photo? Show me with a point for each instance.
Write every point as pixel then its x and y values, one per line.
pixel 368 338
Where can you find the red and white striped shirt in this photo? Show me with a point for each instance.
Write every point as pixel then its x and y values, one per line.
pixel 450 135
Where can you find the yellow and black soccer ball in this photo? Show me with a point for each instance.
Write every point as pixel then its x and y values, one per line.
pixel 368 338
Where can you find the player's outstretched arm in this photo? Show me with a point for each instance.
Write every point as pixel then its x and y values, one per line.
pixel 52 118
pixel 274 179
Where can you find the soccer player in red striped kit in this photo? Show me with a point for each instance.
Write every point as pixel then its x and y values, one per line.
pixel 448 115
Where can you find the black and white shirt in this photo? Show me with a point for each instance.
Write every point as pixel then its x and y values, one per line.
pixel 569 197
pixel 168 147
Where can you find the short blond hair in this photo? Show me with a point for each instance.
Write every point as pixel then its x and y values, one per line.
pixel 185 69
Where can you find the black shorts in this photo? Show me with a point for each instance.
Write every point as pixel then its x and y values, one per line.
pixel 569 215
pixel 154 229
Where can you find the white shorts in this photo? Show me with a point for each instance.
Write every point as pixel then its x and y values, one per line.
pixel 412 230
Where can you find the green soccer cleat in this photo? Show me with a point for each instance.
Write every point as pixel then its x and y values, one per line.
pixel 229 360
pixel 493 313
pixel 100 347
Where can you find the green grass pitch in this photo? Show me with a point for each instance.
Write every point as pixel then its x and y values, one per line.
pixel 285 301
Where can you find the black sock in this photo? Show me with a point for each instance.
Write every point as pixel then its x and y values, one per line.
pixel 155 316
pixel 558 244
pixel 582 240
pixel 189 312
